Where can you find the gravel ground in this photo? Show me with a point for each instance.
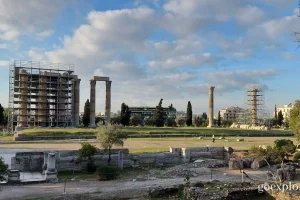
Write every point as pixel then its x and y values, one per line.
pixel 118 189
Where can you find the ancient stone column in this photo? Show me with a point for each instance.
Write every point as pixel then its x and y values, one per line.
pixel 92 103
pixel 211 106
pixel 108 101
pixel 76 101
pixel 51 172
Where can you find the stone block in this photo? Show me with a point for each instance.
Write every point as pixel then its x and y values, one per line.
pixel 258 163
pixel 235 164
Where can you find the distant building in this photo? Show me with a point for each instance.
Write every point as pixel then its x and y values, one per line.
pixel 149 111
pixel 285 109
pixel 231 113
pixel 181 114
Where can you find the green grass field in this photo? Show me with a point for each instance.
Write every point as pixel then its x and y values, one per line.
pixel 140 132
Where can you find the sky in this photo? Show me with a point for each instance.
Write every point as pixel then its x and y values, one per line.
pixel 153 49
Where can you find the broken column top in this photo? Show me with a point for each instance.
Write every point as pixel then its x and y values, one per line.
pixel 100 78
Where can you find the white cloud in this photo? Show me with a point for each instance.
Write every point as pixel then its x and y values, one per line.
pixel 9 35
pixel 191 60
pixel 289 56
pixel 44 34
pixel 4 63
pixel 36 56
pixel 18 18
pixel 3 46
pixel 249 15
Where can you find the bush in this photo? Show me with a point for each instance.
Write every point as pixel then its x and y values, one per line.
pixel 108 172
pixel 170 122
pixel 91 167
pixel 297 156
pixel 135 120
pixel 149 121
pixel 88 151
pixel 3 169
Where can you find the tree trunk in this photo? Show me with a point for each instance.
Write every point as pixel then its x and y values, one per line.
pixel 109 158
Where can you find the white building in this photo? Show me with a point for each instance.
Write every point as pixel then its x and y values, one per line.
pixel 231 113
pixel 285 109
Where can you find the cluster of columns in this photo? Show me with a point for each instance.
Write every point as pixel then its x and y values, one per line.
pixel 211 106
pixel 93 99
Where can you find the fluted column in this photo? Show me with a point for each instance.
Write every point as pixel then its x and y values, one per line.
pixel 92 103
pixel 76 101
pixel 211 106
pixel 108 101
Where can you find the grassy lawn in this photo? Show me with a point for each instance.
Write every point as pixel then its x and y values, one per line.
pixel 160 132
pixel 151 145
pixel 6 138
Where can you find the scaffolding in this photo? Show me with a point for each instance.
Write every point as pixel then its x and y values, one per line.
pixel 255 112
pixel 40 95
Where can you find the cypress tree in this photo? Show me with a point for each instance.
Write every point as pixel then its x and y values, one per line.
pixel 159 116
pixel 86 113
pixel 189 114
pixel 1 114
pixel 219 119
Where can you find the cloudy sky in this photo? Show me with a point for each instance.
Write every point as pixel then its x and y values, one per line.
pixel 153 49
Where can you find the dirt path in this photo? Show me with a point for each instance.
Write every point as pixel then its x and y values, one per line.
pixel 103 190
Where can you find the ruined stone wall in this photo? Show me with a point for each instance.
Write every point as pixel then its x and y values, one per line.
pixel 68 160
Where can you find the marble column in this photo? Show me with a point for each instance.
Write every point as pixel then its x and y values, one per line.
pixel 108 101
pixel 92 103
pixel 76 101
pixel 211 106
pixel 51 172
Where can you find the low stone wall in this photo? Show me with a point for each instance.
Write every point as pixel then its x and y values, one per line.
pixel 24 137
pixel 28 161
pixel 68 160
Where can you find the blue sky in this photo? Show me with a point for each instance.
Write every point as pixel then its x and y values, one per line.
pixel 152 49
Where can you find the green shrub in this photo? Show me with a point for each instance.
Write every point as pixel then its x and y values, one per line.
pixel 108 172
pixel 91 167
pixel 297 156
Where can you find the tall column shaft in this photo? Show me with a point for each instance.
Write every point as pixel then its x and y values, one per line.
pixel 76 101
pixel 108 101
pixel 211 106
pixel 92 103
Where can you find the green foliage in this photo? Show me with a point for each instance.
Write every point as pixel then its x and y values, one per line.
pixel 125 115
pixel 159 115
pixel 88 151
pixel 116 120
pixel 170 122
pixel 204 116
pixel 219 119
pixel 297 156
pixel 280 118
pixel 3 169
pixel 149 121
pixel 99 120
pixel 1 114
pixel 180 121
pixel 281 149
pixel 136 120
pixel 295 119
pixel 275 116
pixel 108 172
pixel 279 144
pixel 189 114
pixel 226 123
pixel 86 114
pixel 197 121
pixel 110 135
